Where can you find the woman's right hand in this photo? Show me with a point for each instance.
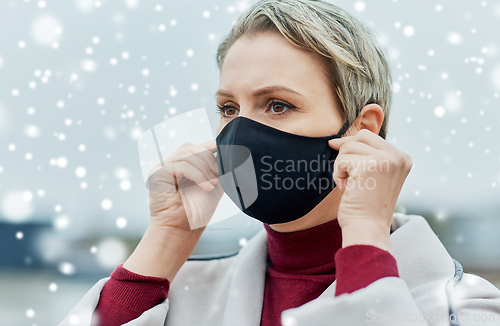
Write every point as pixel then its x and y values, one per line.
pixel 184 192
pixel 182 200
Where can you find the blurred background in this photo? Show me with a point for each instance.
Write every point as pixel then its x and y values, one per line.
pixel 81 80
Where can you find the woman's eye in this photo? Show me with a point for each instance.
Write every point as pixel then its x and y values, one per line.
pixel 278 107
pixel 230 111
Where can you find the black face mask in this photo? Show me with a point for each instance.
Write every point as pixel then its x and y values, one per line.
pixel 272 175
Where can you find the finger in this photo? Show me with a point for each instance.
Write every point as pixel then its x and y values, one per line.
pixel 341 166
pixel 210 145
pixel 370 138
pixel 356 147
pixel 345 166
pixel 162 180
pixel 207 156
pixel 196 161
pixel 336 143
pixel 154 169
pixel 183 150
pixel 185 169
pixel 340 183
pixel 363 136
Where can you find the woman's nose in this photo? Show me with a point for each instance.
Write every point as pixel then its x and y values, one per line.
pixel 249 113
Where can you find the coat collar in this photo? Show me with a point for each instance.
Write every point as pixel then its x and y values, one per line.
pixel 419 254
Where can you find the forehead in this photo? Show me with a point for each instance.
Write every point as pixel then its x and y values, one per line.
pixel 268 58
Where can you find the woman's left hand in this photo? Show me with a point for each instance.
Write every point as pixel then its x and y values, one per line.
pixel 370 173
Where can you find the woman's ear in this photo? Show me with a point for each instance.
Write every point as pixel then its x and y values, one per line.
pixel 371 117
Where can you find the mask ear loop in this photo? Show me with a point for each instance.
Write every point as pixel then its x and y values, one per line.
pixel 344 128
pixel 348 124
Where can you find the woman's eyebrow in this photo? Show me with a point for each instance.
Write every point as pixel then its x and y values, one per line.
pixel 259 92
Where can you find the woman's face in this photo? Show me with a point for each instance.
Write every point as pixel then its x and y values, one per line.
pixel 269 80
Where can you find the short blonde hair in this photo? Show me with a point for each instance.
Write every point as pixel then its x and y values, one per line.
pixel 356 64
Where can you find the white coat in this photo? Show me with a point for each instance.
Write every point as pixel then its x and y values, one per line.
pixel 228 291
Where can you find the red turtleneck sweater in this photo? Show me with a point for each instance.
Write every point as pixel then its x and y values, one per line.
pixel 301 265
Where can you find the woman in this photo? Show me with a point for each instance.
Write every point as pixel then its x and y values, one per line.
pixel 294 73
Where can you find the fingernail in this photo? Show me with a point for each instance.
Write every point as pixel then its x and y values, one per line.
pixel 209 186
pixel 213 179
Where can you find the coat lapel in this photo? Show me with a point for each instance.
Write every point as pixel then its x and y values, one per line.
pixel 248 273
